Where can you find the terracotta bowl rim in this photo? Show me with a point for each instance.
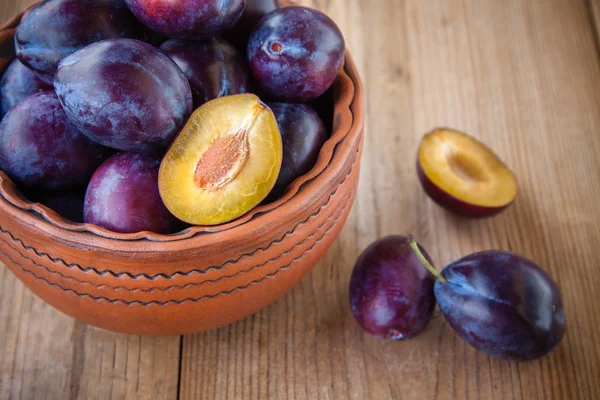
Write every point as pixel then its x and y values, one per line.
pixel 346 108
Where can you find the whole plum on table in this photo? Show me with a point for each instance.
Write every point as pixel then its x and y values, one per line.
pixel 188 19
pixel 19 82
pixel 391 291
pixel 40 147
pixel 295 53
pixel 502 304
pixel 56 28
pixel 213 67
pixel 124 94
pixel 303 134
pixel 123 196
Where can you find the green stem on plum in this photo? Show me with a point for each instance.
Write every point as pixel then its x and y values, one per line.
pixel 413 245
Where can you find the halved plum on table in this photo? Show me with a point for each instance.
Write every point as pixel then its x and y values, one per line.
pixel 464 176
pixel 295 53
pixel 124 94
pixel 123 196
pixel 224 162
pixel 213 68
pixel 303 134
pixel 19 82
pixel 55 29
pixel 40 147
pixel 188 19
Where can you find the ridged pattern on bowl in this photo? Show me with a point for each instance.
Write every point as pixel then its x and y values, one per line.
pixel 204 277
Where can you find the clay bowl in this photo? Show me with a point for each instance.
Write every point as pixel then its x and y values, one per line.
pixel 203 277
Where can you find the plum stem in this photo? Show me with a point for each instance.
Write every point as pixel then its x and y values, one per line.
pixel 415 247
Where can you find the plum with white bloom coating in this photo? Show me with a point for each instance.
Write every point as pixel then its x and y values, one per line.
pixel 188 19
pixel 19 82
pixel 295 53
pixel 124 94
pixel 391 291
pixel 123 196
pixel 55 29
pixel 39 147
pixel 502 304
pixel 213 67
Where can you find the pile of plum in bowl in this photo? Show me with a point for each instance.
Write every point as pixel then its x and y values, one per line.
pixel 171 167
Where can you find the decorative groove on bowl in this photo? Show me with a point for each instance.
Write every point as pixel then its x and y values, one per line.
pixel 103 272
pixel 192 300
pixel 345 202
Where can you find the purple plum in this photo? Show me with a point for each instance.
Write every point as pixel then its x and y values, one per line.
pixel 213 67
pixel 124 94
pixel 295 53
pixel 123 196
pixel 303 134
pixel 40 147
pixel 502 304
pixel 19 82
pixel 188 19
pixel 391 291
pixel 56 28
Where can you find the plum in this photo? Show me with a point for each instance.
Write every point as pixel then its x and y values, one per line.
pixel 56 28
pixel 124 94
pixel 213 67
pixel 464 176
pixel 303 134
pixel 224 162
pixel 391 290
pixel 40 147
pixel 123 196
pixel 255 9
pixel 295 53
pixel 19 82
pixel 502 304
pixel 188 19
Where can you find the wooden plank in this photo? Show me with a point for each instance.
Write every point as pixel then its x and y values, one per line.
pixel 523 77
pixel 595 14
pixel 46 355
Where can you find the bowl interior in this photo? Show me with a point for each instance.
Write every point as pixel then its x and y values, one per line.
pixel 336 106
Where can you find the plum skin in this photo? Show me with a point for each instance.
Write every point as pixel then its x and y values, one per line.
pixel 187 19
pixel 19 82
pixel 124 94
pixel 391 292
pixel 503 305
pixel 57 28
pixel 67 204
pixel 303 134
pixel 213 68
pixel 123 196
pixel 295 53
pixel 454 205
pixel 40 147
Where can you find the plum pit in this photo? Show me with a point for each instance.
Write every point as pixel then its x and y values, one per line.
pixel 224 162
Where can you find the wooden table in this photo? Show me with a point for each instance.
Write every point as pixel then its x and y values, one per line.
pixel 524 77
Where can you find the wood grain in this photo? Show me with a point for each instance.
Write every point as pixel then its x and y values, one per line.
pixel 523 76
